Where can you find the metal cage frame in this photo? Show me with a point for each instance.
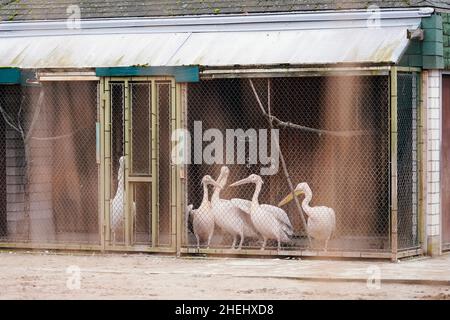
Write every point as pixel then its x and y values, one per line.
pixel 392 72
pixel 178 180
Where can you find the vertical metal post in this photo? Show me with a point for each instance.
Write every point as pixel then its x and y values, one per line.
pixel 177 168
pixel 394 177
pixel 101 194
pixel 107 161
pixel 127 129
pixel 183 169
pixel 416 153
pixel 155 175
pixel 174 118
pixel 423 158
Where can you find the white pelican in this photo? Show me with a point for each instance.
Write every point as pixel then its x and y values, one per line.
pixel 203 219
pixel 270 221
pixel 117 211
pixel 321 220
pixel 227 216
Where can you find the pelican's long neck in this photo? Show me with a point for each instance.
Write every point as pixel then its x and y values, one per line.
pixel 255 201
pixel 120 186
pixel 306 201
pixel 205 193
pixel 216 194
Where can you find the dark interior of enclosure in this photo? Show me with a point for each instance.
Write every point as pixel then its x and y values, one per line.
pixel 346 165
pixel 51 169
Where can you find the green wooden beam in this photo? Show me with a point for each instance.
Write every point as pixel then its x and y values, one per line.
pixel 10 76
pixel 181 73
pixel 433 44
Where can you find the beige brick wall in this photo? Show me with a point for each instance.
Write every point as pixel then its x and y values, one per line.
pixel 433 144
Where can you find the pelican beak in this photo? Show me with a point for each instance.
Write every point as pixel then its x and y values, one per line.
pixel 238 183
pixel 289 198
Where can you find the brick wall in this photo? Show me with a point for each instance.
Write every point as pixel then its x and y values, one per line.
pixel 433 141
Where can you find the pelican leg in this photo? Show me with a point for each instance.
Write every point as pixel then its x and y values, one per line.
pixel 264 244
pixel 198 241
pixel 209 240
pixel 242 241
pixel 326 245
pixel 234 242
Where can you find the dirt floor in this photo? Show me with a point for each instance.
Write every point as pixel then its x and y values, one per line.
pixel 46 275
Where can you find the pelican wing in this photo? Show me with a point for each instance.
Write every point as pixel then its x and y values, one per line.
pixel 278 213
pixel 242 204
pixel 244 207
pixel 249 228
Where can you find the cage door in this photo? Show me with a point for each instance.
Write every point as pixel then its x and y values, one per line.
pixel 138 194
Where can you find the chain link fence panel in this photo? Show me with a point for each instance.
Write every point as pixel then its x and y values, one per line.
pixel 48 140
pixel 407 162
pixel 340 148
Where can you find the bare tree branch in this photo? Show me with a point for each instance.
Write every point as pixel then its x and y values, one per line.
pixel 283 162
pixel 8 120
pixel 285 124
pixel 35 115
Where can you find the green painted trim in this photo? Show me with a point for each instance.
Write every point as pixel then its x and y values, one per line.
pixel 181 74
pixel 415 61
pixel 414 48
pixel 433 62
pixel 432 22
pixel 446 38
pixel 433 49
pixel 433 44
pixel 433 35
pixel 10 76
pixel 446 42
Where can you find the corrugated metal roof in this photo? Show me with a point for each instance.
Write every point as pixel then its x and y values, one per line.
pixel 295 39
pixel 57 9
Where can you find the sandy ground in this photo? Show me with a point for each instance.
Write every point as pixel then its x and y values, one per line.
pixel 44 275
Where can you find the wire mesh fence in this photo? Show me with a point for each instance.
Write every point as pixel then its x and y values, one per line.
pixel 48 140
pixel 164 163
pixel 141 154
pixel 338 147
pixel 117 202
pixel 334 134
pixel 407 189
pixel 140 133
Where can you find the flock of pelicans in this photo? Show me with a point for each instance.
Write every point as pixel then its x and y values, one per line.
pixel 239 217
pixel 248 218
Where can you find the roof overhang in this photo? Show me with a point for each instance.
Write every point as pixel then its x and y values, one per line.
pixel 297 39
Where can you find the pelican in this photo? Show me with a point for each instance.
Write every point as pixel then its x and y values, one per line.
pixel 117 211
pixel 227 216
pixel 203 219
pixel 321 220
pixel 271 222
